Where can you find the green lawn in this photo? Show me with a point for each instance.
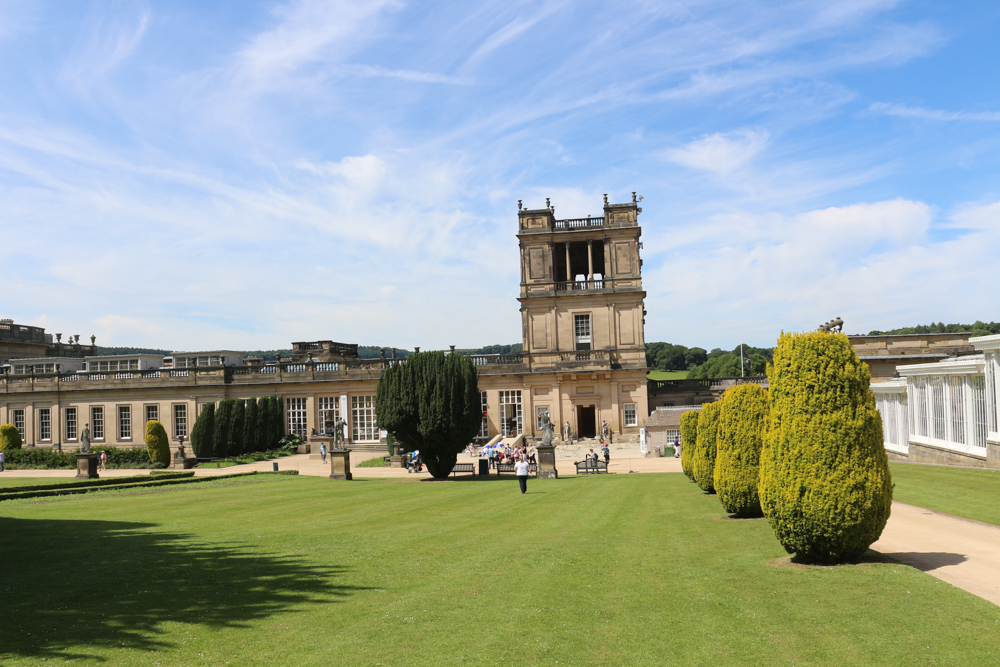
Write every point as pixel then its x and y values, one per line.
pixel 666 375
pixel 612 570
pixel 966 492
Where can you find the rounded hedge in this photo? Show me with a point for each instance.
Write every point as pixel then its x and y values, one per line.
pixel 825 486
pixel 156 442
pixel 9 438
pixel 689 441
pixel 704 453
pixel 742 424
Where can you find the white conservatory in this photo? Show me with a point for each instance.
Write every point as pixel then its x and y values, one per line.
pixel 945 412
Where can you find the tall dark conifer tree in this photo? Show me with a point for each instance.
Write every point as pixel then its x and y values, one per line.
pixel 251 434
pixel 237 429
pixel 431 402
pixel 203 432
pixel 223 422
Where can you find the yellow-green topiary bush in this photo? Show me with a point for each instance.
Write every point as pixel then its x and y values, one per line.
pixel 825 486
pixel 742 423
pixel 689 441
pixel 156 442
pixel 9 438
pixel 704 452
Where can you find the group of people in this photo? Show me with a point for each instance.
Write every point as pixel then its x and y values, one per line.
pixel 605 452
pixel 500 452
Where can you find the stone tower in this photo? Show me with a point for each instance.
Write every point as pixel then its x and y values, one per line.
pixel 581 293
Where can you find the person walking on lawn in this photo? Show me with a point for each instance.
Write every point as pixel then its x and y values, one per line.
pixel 521 470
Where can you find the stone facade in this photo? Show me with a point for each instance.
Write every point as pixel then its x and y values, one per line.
pixel 583 377
pixel 884 354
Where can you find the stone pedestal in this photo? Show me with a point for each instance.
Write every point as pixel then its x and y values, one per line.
pixel 546 462
pixel 397 460
pixel 86 466
pixel 340 464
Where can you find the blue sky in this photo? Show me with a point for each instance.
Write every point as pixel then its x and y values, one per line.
pixel 245 174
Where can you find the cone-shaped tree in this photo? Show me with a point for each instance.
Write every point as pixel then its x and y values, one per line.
pixel 223 422
pixel 251 430
pixel 265 417
pixel 689 441
pixel 742 422
pixel 704 452
pixel 431 402
pixel 156 442
pixel 237 429
pixel 277 421
pixel 10 438
pixel 825 486
pixel 203 433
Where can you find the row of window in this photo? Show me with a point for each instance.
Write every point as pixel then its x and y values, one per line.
pixel 364 427
pixel 949 408
pixel 97 422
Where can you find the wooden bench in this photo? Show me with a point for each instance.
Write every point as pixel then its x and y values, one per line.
pixel 509 467
pixel 464 467
pixel 590 466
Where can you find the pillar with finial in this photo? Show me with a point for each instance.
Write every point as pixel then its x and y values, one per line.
pixel 633 198
pixel 518 204
pixel 547 205
pixel 605 199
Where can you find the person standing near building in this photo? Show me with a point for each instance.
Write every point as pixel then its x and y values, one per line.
pixel 677 448
pixel 322 452
pixel 104 460
pixel 521 470
pixel 3 458
pixel 607 453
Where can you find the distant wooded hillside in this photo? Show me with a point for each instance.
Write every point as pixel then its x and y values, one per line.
pixel 978 328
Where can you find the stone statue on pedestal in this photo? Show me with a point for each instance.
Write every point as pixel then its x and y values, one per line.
pixel 338 433
pixel 547 429
pixel 566 432
pixel 85 439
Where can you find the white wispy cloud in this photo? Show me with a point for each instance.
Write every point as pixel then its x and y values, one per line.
pixel 904 111
pixel 721 153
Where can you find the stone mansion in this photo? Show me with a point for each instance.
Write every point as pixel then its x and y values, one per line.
pixel 583 360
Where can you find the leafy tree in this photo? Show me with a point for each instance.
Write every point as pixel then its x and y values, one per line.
pixel 223 424
pixel 10 438
pixel 825 485
pixel 203 433
pixel 156 442
pixel 237 429
pixel 742 422
pixel 704 452
pixel 251 429
pixel 431 403
pixel 689 441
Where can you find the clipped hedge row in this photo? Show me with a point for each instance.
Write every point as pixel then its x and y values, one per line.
pixel 825 485
pixel 33 458
pixel 689 441
pixel 107 481
pixel 742 423
pixel 159 481
pixel 704 453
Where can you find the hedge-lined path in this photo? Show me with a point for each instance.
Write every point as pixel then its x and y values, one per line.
pixel 962 552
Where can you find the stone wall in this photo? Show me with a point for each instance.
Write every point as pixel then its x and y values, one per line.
pixel 926 454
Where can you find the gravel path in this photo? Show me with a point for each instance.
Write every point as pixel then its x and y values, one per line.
pixel 962 552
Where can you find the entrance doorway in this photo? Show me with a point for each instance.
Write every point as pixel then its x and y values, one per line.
pixel 586 421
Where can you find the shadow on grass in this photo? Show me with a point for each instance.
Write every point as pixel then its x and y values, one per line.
pixel 69 586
